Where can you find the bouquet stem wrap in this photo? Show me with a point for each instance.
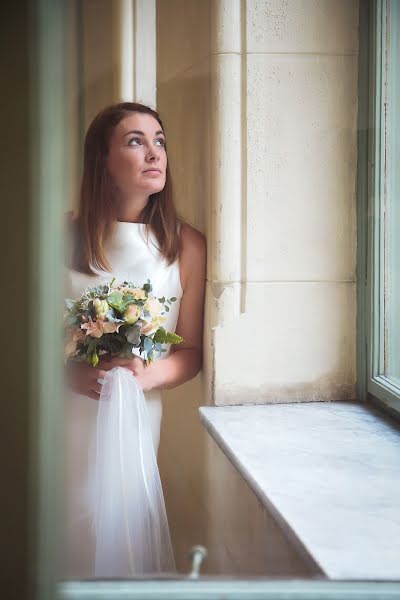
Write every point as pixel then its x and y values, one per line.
pixel 130 521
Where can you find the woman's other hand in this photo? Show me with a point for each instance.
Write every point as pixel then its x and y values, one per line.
pixel 83 379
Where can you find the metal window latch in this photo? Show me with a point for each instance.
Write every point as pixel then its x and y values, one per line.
pixel 197 555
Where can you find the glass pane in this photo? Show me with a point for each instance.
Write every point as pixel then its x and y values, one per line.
pixel 392 311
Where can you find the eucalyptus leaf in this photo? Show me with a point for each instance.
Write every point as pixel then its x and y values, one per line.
pixel 128 300
pixel 147 286
pixel 133 334
pixel 111 316
pixel 126 350
pixel 115 300
pixel 148 345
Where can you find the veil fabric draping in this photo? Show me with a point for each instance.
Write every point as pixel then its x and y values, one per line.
pixel 125 492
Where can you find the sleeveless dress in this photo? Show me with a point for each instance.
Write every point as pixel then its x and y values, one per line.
pixel 131 259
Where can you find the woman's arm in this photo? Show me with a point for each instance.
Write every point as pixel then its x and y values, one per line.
pixel 186 358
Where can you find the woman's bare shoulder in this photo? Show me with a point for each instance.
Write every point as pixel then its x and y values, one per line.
pixel 192 238
pixel 194 253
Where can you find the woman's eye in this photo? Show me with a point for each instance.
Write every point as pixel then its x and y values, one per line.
pixel 132 141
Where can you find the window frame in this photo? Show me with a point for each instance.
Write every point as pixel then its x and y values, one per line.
pixel 373 385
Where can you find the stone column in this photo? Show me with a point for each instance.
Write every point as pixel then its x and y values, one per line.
pixel 227 157
pixel 135 49
pixel 282 219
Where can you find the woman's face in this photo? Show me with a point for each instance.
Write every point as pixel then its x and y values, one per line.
pixel 137 160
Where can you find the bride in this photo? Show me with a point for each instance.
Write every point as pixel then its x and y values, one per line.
pixel 126 226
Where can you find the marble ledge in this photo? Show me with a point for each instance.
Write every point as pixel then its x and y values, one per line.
pixel 329 472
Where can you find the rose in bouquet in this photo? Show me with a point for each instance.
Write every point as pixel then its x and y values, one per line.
pixel 117 320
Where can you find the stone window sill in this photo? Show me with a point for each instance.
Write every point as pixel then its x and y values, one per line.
pixel 329 472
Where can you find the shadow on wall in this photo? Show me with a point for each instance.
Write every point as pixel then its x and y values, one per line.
pixel 183 99
pixel 182 462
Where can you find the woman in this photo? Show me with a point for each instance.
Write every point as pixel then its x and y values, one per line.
pixel 127 227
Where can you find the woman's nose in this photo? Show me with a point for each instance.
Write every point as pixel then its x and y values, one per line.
pixel 152 154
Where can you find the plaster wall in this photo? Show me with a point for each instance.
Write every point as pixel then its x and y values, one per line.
pixel 283 317
pixel 183 101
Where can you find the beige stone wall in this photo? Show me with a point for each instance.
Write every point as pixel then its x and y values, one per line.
pixel 99 67
pixel 183 101
pixel 92 71
pixel 294 338
pixel 242 538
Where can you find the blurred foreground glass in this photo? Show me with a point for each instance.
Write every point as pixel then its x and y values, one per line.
pixel 92 82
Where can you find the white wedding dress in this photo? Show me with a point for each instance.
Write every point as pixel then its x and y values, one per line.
pixel 131 259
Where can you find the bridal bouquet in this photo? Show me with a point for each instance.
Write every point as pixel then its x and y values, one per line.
pixel 118 320
pixel 124 489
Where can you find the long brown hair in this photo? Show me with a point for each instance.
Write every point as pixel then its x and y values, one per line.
pixel 97 210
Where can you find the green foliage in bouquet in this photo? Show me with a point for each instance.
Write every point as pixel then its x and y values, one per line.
pixel 116 319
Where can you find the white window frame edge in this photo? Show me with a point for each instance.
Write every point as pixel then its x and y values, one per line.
pixel 381 389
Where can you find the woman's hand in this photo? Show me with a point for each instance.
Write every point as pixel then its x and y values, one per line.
pixel 83 379
pixel 135 364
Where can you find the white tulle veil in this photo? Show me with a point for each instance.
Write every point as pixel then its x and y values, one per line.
pixel 127 502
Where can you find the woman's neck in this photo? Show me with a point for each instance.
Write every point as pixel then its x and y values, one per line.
pixel 131 208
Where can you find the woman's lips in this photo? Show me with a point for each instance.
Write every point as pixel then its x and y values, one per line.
pixel 152 172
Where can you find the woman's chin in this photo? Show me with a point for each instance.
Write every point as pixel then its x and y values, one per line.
pixel 154 189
